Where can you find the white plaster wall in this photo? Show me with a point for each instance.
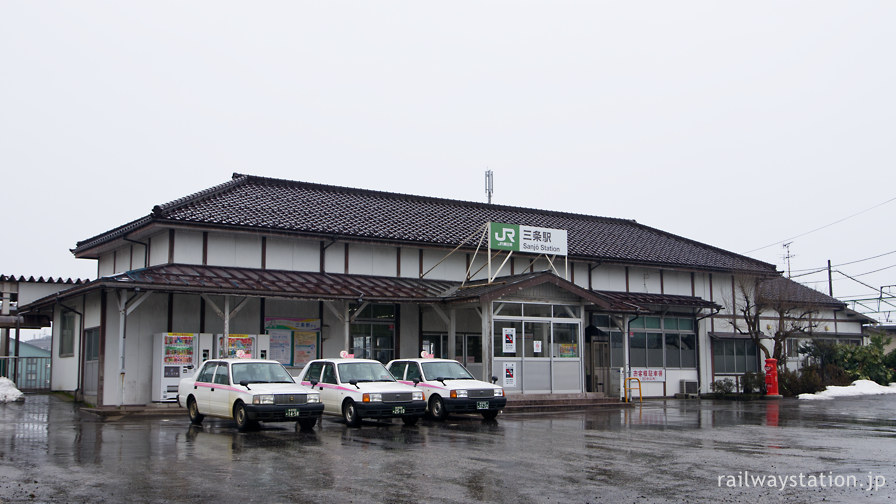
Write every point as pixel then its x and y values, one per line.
pixel 138 256
pixel 122 259
pixel 721 289
pixel 29 292
pixel 376 260
pixel 106 265
pixel 479 269
pixel 677 283
pixel 185 313
pixel 234 250
pixel 334 258
pixel 608 278
pixel 293 254
pixel 187 247
pixel 158 249
pixel 701 286
pixel 644 280
pixel 410 262
pixel 147 319
pixel 64 374
pixel 454 267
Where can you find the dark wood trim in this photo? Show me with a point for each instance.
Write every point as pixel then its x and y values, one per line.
pixel 420 256
pixel 626 280
pixel 693 287
pixel 264 252
pixel 323 254
pixel 205 248
pixel 261 311
pixel 398 262
pixel 170 246
pixel 662 283
pixel 170 312
pixel 201 314
pixel 345 268
pixel 712 320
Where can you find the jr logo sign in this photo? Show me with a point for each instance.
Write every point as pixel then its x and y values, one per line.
pixel 504 236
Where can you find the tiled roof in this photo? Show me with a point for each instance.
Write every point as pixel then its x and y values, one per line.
pixel 250 202
pixel 48 280
pixel 785 289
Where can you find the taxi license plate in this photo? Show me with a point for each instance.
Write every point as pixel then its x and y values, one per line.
pixel 398 410
pixel 481 404
pixel 292 412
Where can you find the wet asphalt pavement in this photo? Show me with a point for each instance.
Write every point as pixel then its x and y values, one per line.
pixel 663 451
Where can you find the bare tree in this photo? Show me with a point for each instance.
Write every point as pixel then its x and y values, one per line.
pixel 761 300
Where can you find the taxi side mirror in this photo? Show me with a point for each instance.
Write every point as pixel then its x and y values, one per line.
pixel 314 382
pixel 494 379
pixel 416 381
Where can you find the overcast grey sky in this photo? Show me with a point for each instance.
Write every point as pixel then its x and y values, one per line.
pixel 737 124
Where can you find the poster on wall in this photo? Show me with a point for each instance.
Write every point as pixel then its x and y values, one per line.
pixel 281 345
pixel 510 374
pixel 509 339
pixel 536 346
pixel 298 340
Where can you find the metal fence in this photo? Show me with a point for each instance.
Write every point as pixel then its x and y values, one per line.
pixel 31 373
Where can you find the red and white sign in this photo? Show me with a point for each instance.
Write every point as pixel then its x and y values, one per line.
pixel 649 374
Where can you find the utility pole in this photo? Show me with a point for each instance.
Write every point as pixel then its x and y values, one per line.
pixel 830 282
pixel 787 256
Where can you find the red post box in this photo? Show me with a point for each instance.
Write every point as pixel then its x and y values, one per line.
pixel 771 377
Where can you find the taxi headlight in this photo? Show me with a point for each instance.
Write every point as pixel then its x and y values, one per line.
pixel 373 397
pixel 263 399
pixel 458 393
pixel 313 398
pixel 499 392
pixel 418 395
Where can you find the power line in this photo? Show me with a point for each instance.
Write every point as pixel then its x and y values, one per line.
pixel 822 227
pixel 846 263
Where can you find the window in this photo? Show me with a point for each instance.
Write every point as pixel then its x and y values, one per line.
pixel 655 342
pixel 536 338
pixel 373 334
pixel 566 340
pixel 221 377
pixel 67 335
pixel 397 370
pixel 655 350
pixel 208 371
pixel 313 372
pixel 92 344
pixel 637 349
pixel 734 356
pixel 414 371
pixel 329 375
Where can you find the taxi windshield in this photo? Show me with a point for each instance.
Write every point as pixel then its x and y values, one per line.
pixel 260 372
pixel 364 372
pixel 445 371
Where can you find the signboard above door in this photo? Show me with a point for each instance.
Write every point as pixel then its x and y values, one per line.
pixel 527 239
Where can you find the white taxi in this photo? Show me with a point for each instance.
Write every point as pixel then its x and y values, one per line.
pixel 362 388
pixel 248 391
pixel 449 387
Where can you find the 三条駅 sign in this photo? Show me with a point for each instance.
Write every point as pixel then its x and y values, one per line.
pixel 529 239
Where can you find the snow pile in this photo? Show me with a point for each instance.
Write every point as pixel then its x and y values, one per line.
pixel 9 392
pixel 858 388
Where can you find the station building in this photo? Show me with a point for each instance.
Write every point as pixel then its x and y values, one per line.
pixel 543 302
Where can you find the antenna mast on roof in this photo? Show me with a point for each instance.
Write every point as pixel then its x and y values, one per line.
pixel 489 184
pixel 787 256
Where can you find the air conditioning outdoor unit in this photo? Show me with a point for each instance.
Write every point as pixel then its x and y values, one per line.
pixel 689 387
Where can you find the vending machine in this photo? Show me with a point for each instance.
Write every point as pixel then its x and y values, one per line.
pixel 175 355
pixel 242 346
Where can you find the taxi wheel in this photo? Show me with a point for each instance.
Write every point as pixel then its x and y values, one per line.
pixel 350 413
pixel 410 420
pixel 437 408
pixel 241 417
pixel 193 409
pixel 489 415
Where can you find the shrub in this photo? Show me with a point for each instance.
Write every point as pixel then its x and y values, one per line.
pixel 725 386
pixel 753 383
